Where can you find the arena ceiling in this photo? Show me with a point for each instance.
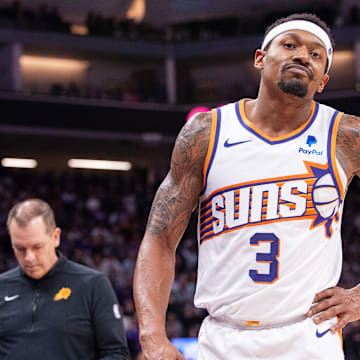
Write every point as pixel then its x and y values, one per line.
pixel 162 12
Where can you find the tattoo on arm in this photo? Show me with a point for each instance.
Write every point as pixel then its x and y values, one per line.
pixel 178 194
pixel 348 144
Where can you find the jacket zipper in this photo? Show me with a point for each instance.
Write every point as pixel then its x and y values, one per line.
pixel 34 307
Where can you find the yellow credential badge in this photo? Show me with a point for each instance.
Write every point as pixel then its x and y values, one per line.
pixel 63 294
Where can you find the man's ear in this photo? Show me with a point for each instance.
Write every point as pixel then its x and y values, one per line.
pixel 259 59
pixel 324 81
pixel 56 236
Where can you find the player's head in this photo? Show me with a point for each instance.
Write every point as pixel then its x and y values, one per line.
pixel 301 22
pixel 304 45
pixel 34 236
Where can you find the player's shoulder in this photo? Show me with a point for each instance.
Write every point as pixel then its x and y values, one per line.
pixel 193 143
pixel 202 124
pixel 350 122
pixel 349 130
pixel 195 134
pixel 347 122
pixel 200 121
pixel 206 119
pixel 348 143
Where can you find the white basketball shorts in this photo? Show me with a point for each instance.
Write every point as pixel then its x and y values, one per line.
pixel 302 340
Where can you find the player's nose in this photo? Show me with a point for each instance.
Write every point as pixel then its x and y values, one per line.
pixel 301 54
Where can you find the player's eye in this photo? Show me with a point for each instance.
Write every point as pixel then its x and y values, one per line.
pixel 289 45
pixel 316 54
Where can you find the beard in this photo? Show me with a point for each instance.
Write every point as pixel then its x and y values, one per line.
pixel 293 87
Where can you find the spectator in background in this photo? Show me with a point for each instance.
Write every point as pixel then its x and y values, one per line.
pixel 51 307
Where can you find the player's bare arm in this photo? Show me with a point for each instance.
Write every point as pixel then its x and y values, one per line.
pixel 348 145
pixel 344 303
pixel 173 204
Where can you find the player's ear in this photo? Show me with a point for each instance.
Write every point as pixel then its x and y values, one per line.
pixel 259 59
pixel 323 82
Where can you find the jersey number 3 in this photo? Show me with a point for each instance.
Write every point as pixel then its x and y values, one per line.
pixel 270 258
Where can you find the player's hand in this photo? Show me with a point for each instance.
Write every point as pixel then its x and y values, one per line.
pixel 159 349
pixel 336 301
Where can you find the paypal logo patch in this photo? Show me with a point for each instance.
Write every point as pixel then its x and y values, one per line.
pixel 311 140
pixel 310 152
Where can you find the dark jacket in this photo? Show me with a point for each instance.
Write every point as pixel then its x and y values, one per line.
pixel 72 313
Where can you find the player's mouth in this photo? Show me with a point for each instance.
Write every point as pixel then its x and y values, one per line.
pixel 300 69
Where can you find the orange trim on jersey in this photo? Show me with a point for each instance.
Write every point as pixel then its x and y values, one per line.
pixel 310 211
pixel 339 332
pixel 251 323
pixel 265 202
pixel 211 145
pixel 276 138
pixel 307 175
pixel 333 154
pixel 304 217
pixel 341 339
pixel 206 213
pixel 207 232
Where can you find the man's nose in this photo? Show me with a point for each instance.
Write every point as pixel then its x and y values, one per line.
pixel 29 256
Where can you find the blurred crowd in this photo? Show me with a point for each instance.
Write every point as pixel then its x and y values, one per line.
pixel 45 18
pixel 141 86
pixel 148 84
pixel 103 217
pixel 49 19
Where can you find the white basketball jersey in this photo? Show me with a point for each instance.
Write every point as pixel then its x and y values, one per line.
pixel 269 218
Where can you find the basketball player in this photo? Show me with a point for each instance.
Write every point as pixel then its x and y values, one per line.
pixel 268 176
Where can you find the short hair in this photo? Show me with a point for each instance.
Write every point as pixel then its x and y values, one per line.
pixel 30 209
pixel 303 16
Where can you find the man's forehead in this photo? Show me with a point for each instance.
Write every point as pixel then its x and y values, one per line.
pixel 26 243
pixel 302 35
pixel 33 229
pixel 27 240
pixel 36 222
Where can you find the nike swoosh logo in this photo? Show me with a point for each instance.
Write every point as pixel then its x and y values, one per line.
pixel 321 334
pixel 11 298
pixel 227 144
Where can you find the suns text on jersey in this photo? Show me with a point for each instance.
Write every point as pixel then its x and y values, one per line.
pixel 263 202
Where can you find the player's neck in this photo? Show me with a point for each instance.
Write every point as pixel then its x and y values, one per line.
pixel 278 114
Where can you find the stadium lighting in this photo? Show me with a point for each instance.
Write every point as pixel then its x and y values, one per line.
pixel 99 164
pixel 38 62
pixel 79 29
pixel 19 163
pixel 137 10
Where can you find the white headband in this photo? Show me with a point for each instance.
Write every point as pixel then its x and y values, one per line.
pixel 305 26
